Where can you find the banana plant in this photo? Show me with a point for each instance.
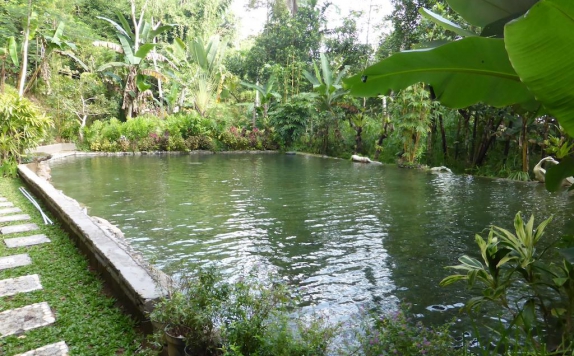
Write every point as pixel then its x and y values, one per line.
pixel 520 57
pixel 209 78
pixel 326 84
pixel 137 49
pixel 10 50
pixel 57 43
pixel 264 97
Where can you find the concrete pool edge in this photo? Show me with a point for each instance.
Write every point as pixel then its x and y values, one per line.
pixel 136 287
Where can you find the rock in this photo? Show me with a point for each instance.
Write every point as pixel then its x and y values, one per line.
pixel 356 158
pixel 440 169
pixel 43 171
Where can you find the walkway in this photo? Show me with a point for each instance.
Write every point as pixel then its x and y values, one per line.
pixel 38 315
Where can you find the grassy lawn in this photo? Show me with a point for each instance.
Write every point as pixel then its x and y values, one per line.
pixel 86 319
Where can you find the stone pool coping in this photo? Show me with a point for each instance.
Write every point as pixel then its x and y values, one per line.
pixel 131 282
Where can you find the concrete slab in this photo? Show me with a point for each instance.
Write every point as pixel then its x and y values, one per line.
pixel 57 349
pixel 18 228
pixel 26 241
pixel 24 284
pixel 14 261
pixel 10 218
pixel 6 204
pixel 17 321
pixel 10 211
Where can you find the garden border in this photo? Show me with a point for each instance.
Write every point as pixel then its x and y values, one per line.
pixel 136 287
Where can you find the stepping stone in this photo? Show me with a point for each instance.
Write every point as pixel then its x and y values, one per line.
pixel 5 204
pixel 18 228
pixel 3 199
pixel 25 284
pixel 26 241
pixel 14 261
pixel 57 349
pixel 10 211
pixel 10 218
pixel 16 321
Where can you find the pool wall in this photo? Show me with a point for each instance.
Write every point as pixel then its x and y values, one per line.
pixel 131 282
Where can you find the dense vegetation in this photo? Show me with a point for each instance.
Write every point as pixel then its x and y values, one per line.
pixel 178 70
pixel 144 75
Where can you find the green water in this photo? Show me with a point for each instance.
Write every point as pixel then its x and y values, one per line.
pixel 347 235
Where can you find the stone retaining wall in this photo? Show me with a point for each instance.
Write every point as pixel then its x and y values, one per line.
pixel 135 285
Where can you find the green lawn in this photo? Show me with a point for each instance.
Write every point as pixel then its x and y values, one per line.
pixel 86 319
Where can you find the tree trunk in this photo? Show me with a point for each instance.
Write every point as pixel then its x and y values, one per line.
pixel 25 52
pixel 489 138
pixel 443 137
pixel 506 146
pixel 466 116
pixel 524 145
pixel 473 142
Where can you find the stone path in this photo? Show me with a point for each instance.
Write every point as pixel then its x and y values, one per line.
pixel 5 211
pixel 56 349
pixel 24 284
pixel 14 261
pixel 10 218
pixel 19 320
pixel 18 228
pixel 26 241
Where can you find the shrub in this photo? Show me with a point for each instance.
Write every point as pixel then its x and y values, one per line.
pixel 514 267
pixel 140 127
pixel 245 317
pixel 112 130
pixel 176 143
pixel 22 127
pixel 395 334
pixel 192 143
pixel 290 119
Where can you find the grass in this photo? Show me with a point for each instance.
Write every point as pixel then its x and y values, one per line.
pixel 86 318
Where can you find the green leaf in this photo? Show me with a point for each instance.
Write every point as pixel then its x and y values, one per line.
pixel 144 50
pixel 540 47
pixel 462 73
pixel 158 31
pixel 141 83
pixel 444 23
pixel 311 78
pixel 326 70
pixel 483 12
pixel 126 32
pixel 13 51
pixel 556 174
pixel 560 281
pixel 128 52
pixel 451 279
pixel 470 262
pixel 112 65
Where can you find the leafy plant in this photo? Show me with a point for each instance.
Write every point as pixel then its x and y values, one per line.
pixel 244 317
pixel 22 127
pixel 514 275
pixel 396 334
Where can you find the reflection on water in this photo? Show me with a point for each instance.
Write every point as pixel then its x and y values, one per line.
pixel 346 234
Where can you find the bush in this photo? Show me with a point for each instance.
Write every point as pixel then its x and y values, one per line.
pixel 176 143
pixel 140 127
pixel 290 119
pixel 395 334
pixel 245 317
pixel 22 127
